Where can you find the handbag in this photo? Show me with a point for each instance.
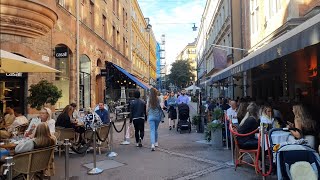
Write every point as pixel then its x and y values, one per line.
pixel 129 133
pixel 162 115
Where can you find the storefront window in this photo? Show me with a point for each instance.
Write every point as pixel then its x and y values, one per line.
pixel 63 58
pixel 85 76
pixel 12 91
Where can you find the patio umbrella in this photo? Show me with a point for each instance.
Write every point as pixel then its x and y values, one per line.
pixel 10 63
pixel 192 87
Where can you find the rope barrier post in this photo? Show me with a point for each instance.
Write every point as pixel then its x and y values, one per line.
pixel 226 129
pixel 95 170
pixel 111 153
pixel 231 143
pixel 262 135
pixel 125 141
pixel 8 170
pixel 66 163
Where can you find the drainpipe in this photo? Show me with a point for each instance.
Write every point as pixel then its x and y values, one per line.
pixel 78 55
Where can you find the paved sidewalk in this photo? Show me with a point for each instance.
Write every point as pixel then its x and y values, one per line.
pixel 179 156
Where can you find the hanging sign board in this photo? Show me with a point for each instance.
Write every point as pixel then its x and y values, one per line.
pixel 61 52
pixel 103 72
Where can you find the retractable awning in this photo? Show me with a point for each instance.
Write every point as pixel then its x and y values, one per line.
pixel 304 35
pixel 136 80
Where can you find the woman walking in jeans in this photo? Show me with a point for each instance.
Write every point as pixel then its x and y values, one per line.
pixel 154 117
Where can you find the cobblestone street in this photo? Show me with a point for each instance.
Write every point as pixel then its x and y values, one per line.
pixel 179 156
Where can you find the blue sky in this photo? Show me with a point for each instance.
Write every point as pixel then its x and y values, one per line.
pixel 173 18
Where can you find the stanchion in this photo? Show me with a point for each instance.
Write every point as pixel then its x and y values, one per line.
pixel 262 135
pixel 226 129
pixel 231 144
pixel 8 165
pixel 94 170
pixel 111 153
pixel 125 141
pixel 66 165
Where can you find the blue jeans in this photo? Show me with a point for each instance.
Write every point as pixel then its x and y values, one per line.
pixel 154 124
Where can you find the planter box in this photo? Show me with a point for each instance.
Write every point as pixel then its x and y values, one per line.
pixel 216 138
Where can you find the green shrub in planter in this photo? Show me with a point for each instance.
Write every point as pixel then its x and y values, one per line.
pixel 43 93
pixel 217 114
pixel 212 127
pixel 196 120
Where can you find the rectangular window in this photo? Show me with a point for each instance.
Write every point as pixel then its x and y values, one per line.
pixel 91 12
pixel 118 40
pixel 104 27
pixel 254 18
pixel 123 17
pixel 116 6
pixel 124 46
pixel 62 3
pixel 114 37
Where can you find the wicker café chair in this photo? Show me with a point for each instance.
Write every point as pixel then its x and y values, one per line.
pixel 64 133
pixel 30 163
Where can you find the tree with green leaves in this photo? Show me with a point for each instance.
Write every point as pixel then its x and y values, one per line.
pixel 181 73
pixel 43 93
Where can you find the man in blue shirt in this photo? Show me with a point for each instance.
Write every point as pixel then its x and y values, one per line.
pixel 103 114
pixel 183 98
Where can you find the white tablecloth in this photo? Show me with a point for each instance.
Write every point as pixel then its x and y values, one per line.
pixel 279 137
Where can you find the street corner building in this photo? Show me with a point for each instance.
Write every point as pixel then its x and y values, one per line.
pixel 78 38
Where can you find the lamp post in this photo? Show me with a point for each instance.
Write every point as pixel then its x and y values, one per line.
pixel 148 30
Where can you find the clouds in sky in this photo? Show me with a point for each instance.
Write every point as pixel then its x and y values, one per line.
pixel 173 18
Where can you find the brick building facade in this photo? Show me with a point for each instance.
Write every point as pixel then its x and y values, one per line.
pixel 104 37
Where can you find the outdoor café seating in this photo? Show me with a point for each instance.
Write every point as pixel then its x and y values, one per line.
pixel 33 163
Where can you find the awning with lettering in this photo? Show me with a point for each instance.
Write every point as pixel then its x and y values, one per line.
pixel 304 35
pixel 13 63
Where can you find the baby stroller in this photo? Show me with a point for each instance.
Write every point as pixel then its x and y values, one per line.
pixel 184 118
pixel 296 161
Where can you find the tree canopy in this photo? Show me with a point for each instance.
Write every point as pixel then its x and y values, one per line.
pixel 181 73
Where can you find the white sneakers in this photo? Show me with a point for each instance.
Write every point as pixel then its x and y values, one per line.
pixel 153 146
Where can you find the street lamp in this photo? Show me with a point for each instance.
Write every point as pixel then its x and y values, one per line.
pixel 148 30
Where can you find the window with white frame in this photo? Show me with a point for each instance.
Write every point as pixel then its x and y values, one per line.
pixel 254 18
pixel 273 7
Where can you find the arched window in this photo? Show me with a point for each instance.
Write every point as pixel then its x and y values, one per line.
pixel 85 81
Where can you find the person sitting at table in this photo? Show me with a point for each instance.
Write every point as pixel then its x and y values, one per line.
pixel 8 118
pixel 103 113
pixel 18 121
pixel 303 121
pixel 267 117
pixel 65 120
pixel 42 139
pixel 249 124
pixel 45 116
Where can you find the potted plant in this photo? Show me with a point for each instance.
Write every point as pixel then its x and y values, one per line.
pixel 196 120
pixel 43 93
pixel 215 127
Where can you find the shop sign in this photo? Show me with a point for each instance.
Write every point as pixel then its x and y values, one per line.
pixel 61 52
pixel 18 74
pixel 103 72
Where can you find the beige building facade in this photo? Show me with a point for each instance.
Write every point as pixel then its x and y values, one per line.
pixel 143 46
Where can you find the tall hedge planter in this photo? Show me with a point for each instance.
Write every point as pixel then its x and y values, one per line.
pixel 215 128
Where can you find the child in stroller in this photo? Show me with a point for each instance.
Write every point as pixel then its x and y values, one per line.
pixel 294 160
pixel 184 118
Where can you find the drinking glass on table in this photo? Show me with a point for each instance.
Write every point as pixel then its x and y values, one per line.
pixel 15 133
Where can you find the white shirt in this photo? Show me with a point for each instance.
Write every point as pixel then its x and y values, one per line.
pixel 232 113
pixel 36 121
pixel 18 121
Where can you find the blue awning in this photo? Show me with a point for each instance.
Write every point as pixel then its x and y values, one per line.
pixel 134 79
